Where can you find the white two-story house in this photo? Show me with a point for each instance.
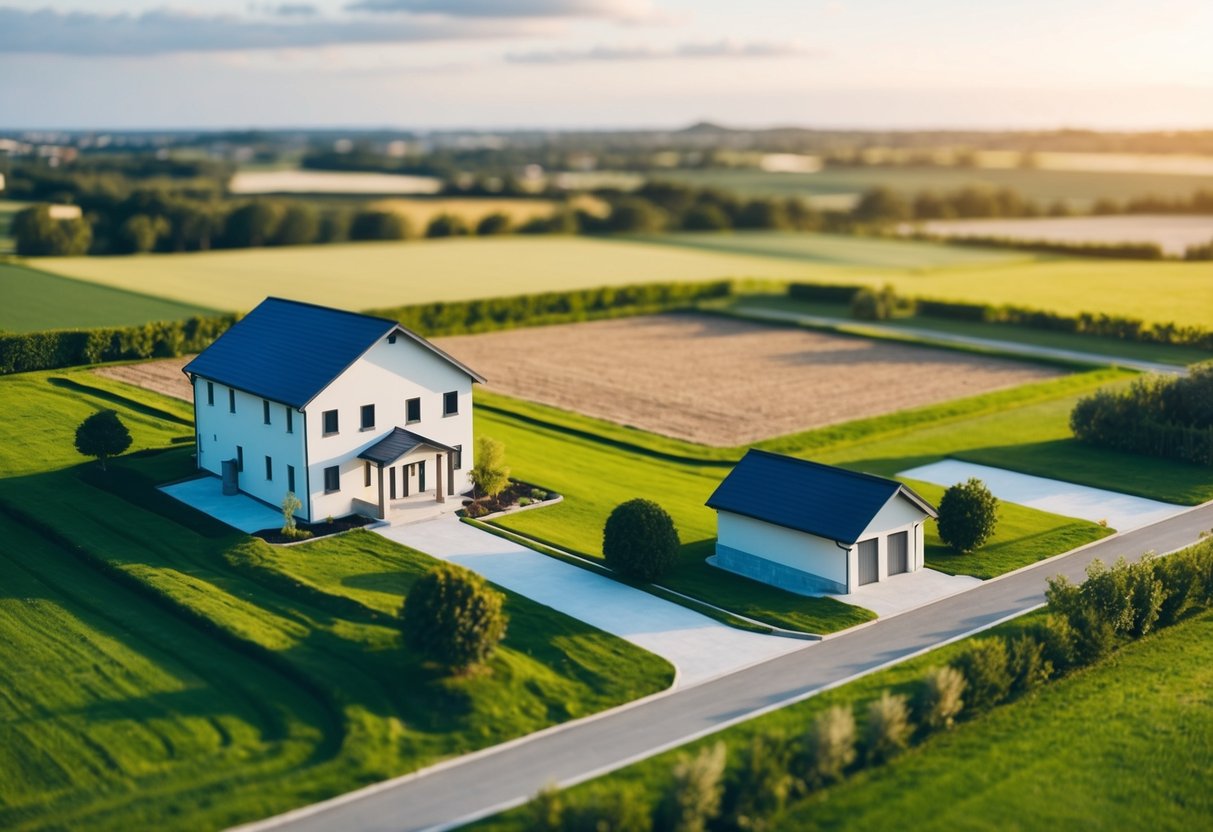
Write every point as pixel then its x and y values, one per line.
pixel 349 412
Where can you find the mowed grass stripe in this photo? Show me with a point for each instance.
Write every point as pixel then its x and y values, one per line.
pixel 37 300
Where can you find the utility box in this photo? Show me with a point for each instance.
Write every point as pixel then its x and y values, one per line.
pixel 231 478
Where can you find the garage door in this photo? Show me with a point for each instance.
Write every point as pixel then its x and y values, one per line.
pixel 899 553
pixel 869 561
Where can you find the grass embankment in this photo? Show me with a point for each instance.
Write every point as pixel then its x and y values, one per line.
pixel 35 300
pixel 1099 349
pixel 1124 744
pixel 164 671
pixel 602 465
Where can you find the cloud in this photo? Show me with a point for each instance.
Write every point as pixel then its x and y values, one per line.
pixel 617 10
pixel 717 49
pixel 165 32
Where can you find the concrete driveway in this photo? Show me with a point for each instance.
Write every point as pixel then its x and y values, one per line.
pixel 1121 511
pixel 700 647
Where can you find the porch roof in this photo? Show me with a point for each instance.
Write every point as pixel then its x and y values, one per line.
pixel 398 443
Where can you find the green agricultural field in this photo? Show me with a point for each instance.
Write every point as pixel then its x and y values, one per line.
pixel 1079 188
pixel 370 275
pixel 198 674
pixel 35 300
pixel 1163 292
pixel 1125 744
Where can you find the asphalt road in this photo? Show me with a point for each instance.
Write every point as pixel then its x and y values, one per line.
pixel 486 782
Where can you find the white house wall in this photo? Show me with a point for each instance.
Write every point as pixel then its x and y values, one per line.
pixel 220 431
pixel 898 514
pixel 386 376
pixel 799 551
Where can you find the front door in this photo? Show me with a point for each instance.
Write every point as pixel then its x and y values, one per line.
pixel 869 561
pixel 420 477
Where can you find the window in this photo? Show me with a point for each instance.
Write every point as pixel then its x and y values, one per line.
pixel 239 459
pixel 330 422
pixel 391 339
pixel 368 416
pixel 231 400
pixel 412 410
pixel 265 411
pixel 269 469
pixel 457 457
pixel 290 478
pixel 450 403
pixel 366 480
pixel 332 479
pixel 290 420
pixel 210 393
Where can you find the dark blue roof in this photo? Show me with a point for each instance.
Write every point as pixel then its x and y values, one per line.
pixel 398 443
pixel 807 496
pixel 289 351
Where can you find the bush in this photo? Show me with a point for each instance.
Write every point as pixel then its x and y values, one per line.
pixel 452 617
pixel 987 677
pixel 887 729
pixel 606 808
pixel 102 435
pixel 829 746
pixel 1026 662
pixel 378 225
pixel 692 798
pixel 447 225
pixel 538 494
pixel 968 515
pixel 545 811
pixel 759 786
pixel 525 501
pixel 941 698
pixel 1056 638
pixel 639 540
pixel 883 304
pixel 496 223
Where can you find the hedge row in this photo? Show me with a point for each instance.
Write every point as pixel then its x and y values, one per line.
pixel 1170 417
pixel 53 350
pixel 1116 251
pixel 460 317
pixel 23 352
pixel 1084 323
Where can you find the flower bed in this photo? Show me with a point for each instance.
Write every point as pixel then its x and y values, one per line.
pixel 324 528
pixel 517 495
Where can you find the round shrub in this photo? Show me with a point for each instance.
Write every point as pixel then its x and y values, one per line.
pixel 968 515
pixel 639 540
pixel 452 617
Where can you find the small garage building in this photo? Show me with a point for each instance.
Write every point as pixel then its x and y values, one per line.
pixel 813 528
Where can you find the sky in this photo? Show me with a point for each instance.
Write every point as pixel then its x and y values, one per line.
pixel 497 64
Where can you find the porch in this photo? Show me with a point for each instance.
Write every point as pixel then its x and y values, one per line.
pixel 413 477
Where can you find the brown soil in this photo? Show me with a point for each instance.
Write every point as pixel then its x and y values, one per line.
pixel 161 376
pixel 724 382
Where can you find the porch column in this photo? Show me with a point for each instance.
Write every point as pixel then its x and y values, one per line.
pixel 450 475
pixel 438 478
pixel 382 507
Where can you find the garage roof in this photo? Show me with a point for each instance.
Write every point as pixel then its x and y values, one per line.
pixel 288 351
pixel 822 500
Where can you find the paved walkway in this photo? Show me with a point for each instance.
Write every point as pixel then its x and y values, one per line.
pixel 1008 347
pixel 1121 511
pixel 700 647
pixel 487 782
pixel 910 590
pixel 238 510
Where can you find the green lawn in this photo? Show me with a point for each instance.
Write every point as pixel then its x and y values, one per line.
pixel 1125 744
pixel 601 467
pixel 1098 348
pixel 36 300
pixel 201 678
pixel 1176 292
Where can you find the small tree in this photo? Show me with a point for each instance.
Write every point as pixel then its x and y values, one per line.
pixel 495 223
pixel 102 435
pixel 887 729
pixel 692 798
pixel 968 515
pixel 1027 663
pixel 489 475
pixel 941 698
pixel 291 504
pixel 639 540
pixel 829 746
pixel 987 677
pixel 452 617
